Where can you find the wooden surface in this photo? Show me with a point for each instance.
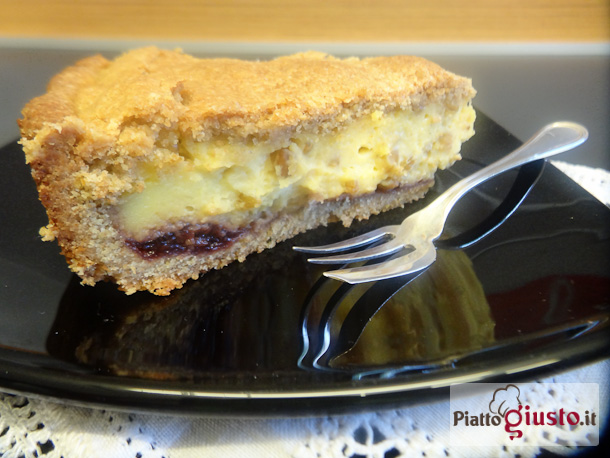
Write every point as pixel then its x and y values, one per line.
pixel 311 20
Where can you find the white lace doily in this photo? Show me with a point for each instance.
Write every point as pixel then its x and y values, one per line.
pixel 596 181
pixel 35 428
pixel 31 427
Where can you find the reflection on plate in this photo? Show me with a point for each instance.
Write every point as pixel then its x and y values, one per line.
pixel 531 297
pixel 441 314
pixel 235 321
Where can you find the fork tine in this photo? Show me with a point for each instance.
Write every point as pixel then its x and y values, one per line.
pixel 402 265
pixel 378 251
pixel 354 242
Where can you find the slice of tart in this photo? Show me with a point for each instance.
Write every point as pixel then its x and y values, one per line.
pixel 157 167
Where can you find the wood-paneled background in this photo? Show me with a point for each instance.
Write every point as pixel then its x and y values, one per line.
pixel 310 20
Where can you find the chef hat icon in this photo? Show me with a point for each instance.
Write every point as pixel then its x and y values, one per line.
pixel 505 399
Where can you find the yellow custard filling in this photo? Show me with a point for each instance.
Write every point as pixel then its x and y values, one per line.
pixel 224 180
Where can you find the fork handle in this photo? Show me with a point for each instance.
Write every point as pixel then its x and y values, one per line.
pixel 552 139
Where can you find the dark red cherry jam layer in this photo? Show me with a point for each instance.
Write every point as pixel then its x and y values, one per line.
pixel 189 239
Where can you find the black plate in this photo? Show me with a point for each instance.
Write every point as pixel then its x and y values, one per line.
pixel 531 298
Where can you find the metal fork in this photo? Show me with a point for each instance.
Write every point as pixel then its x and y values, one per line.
pixel 418 232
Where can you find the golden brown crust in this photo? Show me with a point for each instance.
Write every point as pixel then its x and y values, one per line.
pixel 201 96
pixel 99 119
pixel 58 102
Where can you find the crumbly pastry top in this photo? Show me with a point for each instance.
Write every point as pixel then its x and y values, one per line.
pixel 203 96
